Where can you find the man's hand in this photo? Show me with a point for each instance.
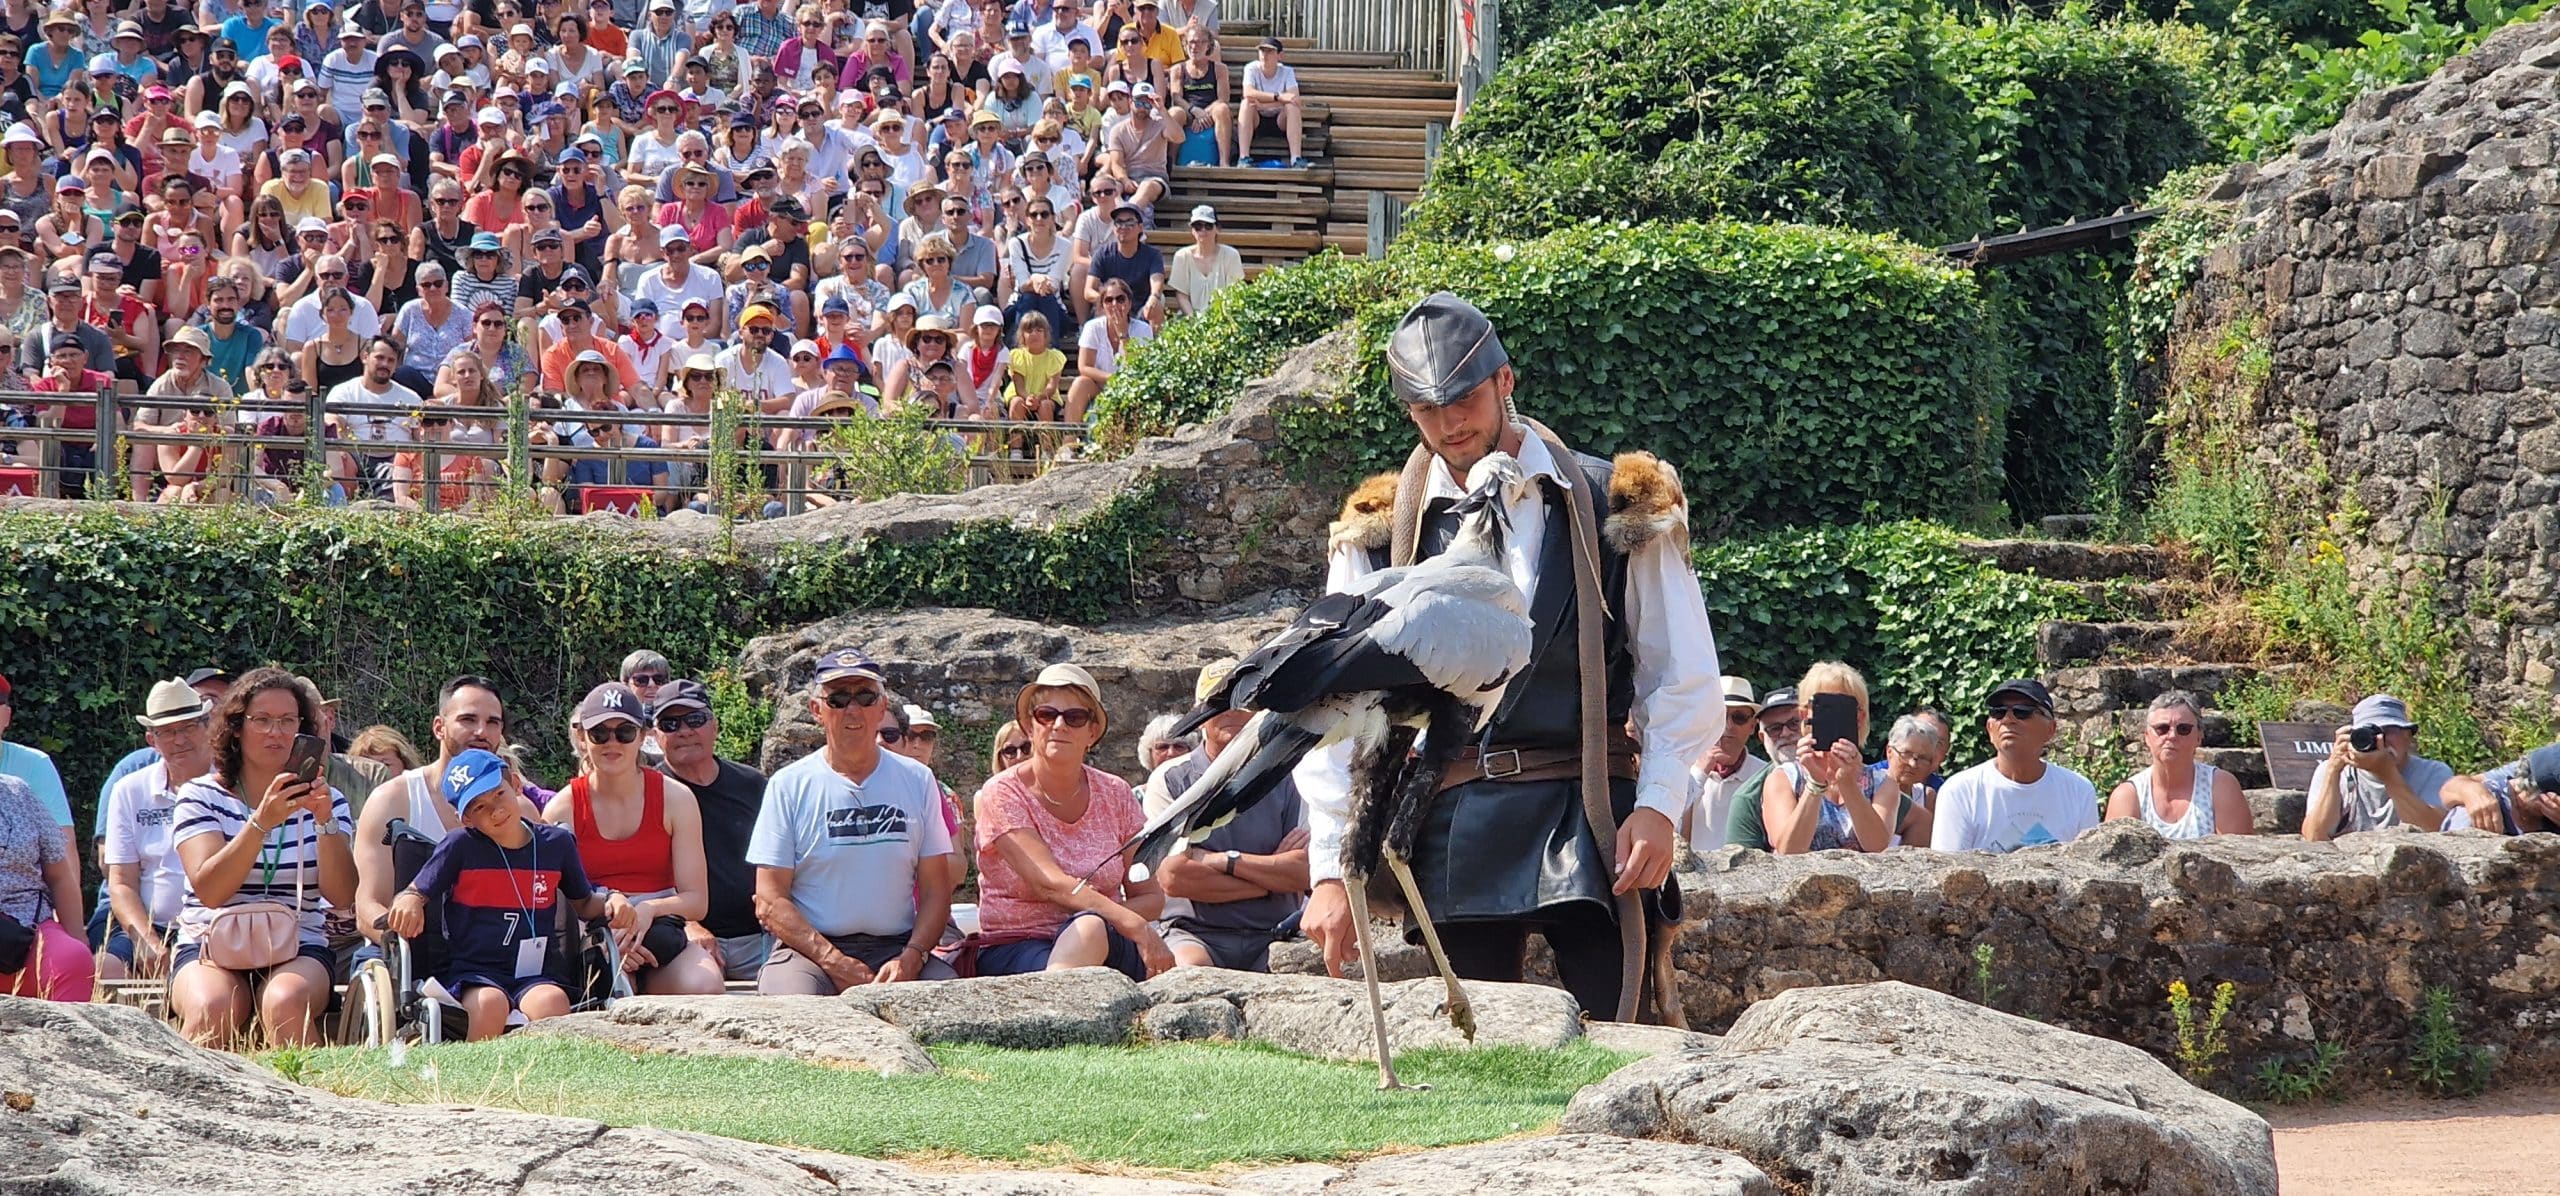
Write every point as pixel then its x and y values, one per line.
pixel 1295 839
pixel 1327 924
pixel 845 970
pixel 150 955
pixel 1151 948
pixel 899 969
pixel 703 940
pixel 1644 851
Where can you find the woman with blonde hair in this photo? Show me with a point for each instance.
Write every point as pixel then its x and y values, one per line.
pixel 1825 798
pixel 1053 887
pixel 386 746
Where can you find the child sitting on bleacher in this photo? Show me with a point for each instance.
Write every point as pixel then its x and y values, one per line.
pixel 500 882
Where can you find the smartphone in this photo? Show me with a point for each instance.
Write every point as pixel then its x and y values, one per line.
pixel 310 752
pixel 1835 717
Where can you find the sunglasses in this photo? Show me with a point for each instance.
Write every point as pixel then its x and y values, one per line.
pixel 1013 751
pixel 1115 298
pixel 889 736
pixel 757 264
pixel 2166 729
pixel 687 721
pixel 1741 718
pixel 933 261
pixel 493 323
pixel 838 699
pixel 2021 711
pixel 1074 718
pixel 663 110
pixel 617 733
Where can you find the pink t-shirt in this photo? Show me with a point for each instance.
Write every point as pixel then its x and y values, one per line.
pixel 1007 803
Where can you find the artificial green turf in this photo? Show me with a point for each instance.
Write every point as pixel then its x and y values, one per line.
pixel 1189 1106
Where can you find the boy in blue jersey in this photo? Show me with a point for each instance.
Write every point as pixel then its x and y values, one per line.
pixel 499 884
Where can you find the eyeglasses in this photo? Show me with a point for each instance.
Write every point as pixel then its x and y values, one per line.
pixel 936 260
pixel 1043 214
pixel 664 110
pixel 838 699
pixel 264 725
pixel 1115 298
pixel 1125 223
pixel 687 721
pixel 2021 711
pixel 1074 717
pixel 443 200
pixel 272 365
pixel 2173 729
pixel 619 732
pixel 537 207
pixel 326 275
pixel 425 284
pixel 1013 751
pixel 491 323
pixel 1781 727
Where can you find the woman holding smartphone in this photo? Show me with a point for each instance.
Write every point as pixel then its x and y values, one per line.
pixel 1825 798
pixel 262 844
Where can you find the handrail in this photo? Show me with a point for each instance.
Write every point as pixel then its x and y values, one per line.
pixel 234 441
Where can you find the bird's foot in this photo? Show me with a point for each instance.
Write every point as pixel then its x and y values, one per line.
pixel 1461 1013
pixel 1387 1082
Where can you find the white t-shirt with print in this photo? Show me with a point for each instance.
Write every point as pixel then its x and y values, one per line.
pixel 1981 810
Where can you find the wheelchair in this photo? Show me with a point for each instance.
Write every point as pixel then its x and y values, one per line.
pixel 391 991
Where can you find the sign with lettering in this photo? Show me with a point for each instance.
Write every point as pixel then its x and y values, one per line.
pixel 2294 751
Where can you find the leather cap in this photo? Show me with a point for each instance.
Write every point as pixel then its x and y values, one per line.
pixel 1442 349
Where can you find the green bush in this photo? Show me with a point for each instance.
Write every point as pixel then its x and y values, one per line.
pixel 1768 109
pixel 1727 348
pixel 2300 89
pixel 1927 624
pixel 94 606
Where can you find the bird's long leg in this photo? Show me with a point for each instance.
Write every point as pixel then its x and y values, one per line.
pixel 1462 1014
pixel 1356 888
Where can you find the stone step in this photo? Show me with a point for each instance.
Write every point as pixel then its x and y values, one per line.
pixel 2068 527
pixel 2061 643
pixel 2065 560
pixel 2087 690
pixel 2277 811
pixel 2124 598
pixel 2248 764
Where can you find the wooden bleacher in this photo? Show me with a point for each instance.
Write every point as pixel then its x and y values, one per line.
pixel 1364 131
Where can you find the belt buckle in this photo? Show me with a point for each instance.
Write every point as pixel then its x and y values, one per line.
pixel 1485 764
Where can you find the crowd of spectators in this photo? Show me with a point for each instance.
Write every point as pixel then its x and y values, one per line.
pixel 428 206
pixel 253 892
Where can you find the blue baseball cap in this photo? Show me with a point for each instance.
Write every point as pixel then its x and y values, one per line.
pixel 644 307
pixel 848 662
pixel 572 155
pixel 471 774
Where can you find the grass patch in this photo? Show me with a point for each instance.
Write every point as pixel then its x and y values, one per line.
pixel 1188 1106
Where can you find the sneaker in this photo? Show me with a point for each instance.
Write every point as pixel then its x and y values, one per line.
pixel 1299 164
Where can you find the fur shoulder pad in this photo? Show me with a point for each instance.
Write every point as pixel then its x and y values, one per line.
pixel 1367 516
pixel 1645 501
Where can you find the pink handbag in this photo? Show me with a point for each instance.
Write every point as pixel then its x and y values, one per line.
pixel 254 934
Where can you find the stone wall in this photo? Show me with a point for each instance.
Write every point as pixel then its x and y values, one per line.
pixel 2334 942
pixel 2399 266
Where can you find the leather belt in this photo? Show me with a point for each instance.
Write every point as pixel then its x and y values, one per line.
pixel 1521 765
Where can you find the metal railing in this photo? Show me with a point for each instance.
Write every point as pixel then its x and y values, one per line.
pixel 796 476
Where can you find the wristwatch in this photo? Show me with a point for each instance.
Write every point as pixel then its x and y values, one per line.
pixel 1231 862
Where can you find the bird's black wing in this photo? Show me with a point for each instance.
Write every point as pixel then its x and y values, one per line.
pixel 1255 762
pixel 1327 651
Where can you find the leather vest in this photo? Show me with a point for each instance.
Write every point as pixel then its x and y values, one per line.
pixel 1545 709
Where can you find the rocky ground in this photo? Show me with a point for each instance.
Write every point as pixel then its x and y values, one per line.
pixel 1875 1089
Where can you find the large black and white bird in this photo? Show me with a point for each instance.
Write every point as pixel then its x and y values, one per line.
pixel 1423 650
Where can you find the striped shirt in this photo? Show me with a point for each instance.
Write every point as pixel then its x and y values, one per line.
pixel 290 859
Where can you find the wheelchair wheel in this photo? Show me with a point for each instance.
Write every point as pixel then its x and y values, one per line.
pixel 380 999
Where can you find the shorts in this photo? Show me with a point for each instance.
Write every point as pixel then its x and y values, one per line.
pixel 514 986
pixel 1032 955
pixel 120 944
pixel 788 973
pixel 743 956
pixel 1234 950
pixel 315 952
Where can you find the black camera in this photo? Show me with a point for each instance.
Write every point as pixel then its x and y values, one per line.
pixel 2364 739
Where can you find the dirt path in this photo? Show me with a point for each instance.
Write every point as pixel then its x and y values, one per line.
pixel 2504 1144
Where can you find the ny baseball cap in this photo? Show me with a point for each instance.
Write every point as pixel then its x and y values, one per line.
pixel 607 702
pixel 472 775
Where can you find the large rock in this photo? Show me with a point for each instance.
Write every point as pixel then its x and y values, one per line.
pixel 1565 1165
pixel 106 1099
pixel 1082 1007
pixel 1887 1088
pixel 966 666
pixel 1397 959
pixel 1319 1015
pixel 2323 942
pixel 809 1029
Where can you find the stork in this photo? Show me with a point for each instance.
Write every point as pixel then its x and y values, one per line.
pixel 1418 651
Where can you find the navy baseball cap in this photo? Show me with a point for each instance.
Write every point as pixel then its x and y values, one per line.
pixel 473 773
pixel 644 307
pixel 682 692
pixel 2024 687
pixel 610 701
pixel 847 662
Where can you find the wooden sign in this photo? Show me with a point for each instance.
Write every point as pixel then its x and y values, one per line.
pixel 2294 751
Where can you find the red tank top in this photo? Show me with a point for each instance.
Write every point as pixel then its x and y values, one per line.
pixel 643 863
